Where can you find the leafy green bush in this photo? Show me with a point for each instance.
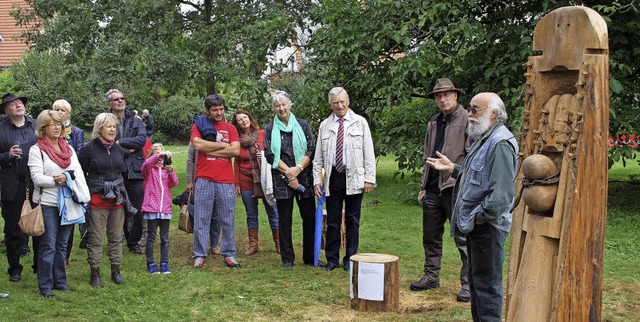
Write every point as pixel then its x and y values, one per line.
pixel 401 133
pixel 174 117
pixel 7 83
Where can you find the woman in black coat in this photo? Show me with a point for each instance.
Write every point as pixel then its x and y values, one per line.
pixel 102 161
pixel 289 147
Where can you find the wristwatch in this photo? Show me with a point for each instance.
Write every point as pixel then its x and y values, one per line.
pixel 301 167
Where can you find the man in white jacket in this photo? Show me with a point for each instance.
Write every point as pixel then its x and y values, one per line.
pixel 344 149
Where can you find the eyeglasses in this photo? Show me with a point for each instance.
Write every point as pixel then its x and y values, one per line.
pixel 475 109
pixel 117 99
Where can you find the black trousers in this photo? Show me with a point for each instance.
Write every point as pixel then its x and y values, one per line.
pixel 13 236
pixel 307 207
pixel 133 225
pixel 352 205
pixel 436 210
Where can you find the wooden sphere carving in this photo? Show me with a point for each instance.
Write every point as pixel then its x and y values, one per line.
pixel 538 166
pixel 540 198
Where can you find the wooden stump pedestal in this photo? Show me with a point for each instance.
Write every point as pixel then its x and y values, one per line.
pixel 375 282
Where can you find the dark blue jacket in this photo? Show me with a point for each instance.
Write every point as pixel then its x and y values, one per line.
pixel 132 136
pixel 76 139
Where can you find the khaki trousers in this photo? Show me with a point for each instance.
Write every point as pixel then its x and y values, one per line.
pixel 98 220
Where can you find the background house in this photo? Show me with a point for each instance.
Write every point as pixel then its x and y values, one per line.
pixel 11 46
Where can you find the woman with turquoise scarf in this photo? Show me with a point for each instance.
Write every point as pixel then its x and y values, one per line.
pixel 289 147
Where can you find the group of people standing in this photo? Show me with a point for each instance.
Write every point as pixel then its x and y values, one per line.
pixel 294 158
pixel 44 155
pixel 470 163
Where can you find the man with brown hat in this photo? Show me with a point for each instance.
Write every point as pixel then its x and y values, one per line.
pixel 17 135
pixel 445 134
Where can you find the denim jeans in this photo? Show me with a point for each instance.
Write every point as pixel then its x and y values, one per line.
pixel 53 251
pixel 251 204
pixel 486 256
pixel 152 227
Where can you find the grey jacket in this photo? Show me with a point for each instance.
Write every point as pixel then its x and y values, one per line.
pixel 361 159
pixel 455 145
pixel 486 181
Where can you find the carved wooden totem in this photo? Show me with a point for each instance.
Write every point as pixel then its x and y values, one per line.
pixel 556 254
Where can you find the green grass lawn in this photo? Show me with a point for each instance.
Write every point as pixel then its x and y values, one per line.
pixel 262 290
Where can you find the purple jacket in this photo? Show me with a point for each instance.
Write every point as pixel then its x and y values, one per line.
pixel 157 194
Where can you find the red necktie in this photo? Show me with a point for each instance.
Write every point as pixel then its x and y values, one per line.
pixel 339 141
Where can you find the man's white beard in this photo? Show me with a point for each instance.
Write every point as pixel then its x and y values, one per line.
pixel 477 127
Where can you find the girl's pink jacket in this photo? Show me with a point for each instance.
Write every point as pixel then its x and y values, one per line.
pixel 157 194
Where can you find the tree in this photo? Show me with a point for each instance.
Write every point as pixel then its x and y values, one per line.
pixel 154 49
pixel 388 53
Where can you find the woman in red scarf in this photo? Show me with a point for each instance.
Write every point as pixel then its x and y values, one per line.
pixel 247 172
pixel 49 159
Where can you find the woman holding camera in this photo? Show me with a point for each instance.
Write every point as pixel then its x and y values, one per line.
pixel 49 159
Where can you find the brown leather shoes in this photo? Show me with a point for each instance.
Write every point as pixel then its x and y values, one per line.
pixel 137 250
pixel 253 242
pixel 231 262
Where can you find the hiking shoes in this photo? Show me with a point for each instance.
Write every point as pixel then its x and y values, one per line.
pixel 425 283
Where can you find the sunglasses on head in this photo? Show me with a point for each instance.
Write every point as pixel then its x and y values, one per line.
pixel 475 109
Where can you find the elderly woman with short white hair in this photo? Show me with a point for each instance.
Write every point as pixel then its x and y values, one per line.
pixel 289 146
pixel 70 133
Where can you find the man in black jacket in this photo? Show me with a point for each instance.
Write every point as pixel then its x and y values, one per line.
pixel 17 135
pixel 131 137
pixel 148 122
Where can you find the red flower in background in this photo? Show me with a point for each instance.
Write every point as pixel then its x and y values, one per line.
pixel 621 140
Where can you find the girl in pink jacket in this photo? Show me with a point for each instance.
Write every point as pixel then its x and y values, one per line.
pixel 156 207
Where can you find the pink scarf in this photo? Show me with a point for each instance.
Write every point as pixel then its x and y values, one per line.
pixel 62 158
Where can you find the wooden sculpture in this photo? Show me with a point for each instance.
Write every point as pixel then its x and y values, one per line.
pixel 557 245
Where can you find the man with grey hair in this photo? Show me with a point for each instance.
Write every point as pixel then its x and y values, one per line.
pixel 484 193
pixel 147 118
pixel 17 136
pixel 344 149
pixel 131 137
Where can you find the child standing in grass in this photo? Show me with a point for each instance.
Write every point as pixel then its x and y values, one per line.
pixel 156 208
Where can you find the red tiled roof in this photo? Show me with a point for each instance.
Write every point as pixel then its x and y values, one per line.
pixel 12 47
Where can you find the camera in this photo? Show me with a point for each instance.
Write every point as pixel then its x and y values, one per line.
pixel 166 161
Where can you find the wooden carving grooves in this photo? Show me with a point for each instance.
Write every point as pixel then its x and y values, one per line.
pixel 555 260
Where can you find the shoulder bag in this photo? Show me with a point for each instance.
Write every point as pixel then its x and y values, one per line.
pixel 185 222
pixel 31 219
